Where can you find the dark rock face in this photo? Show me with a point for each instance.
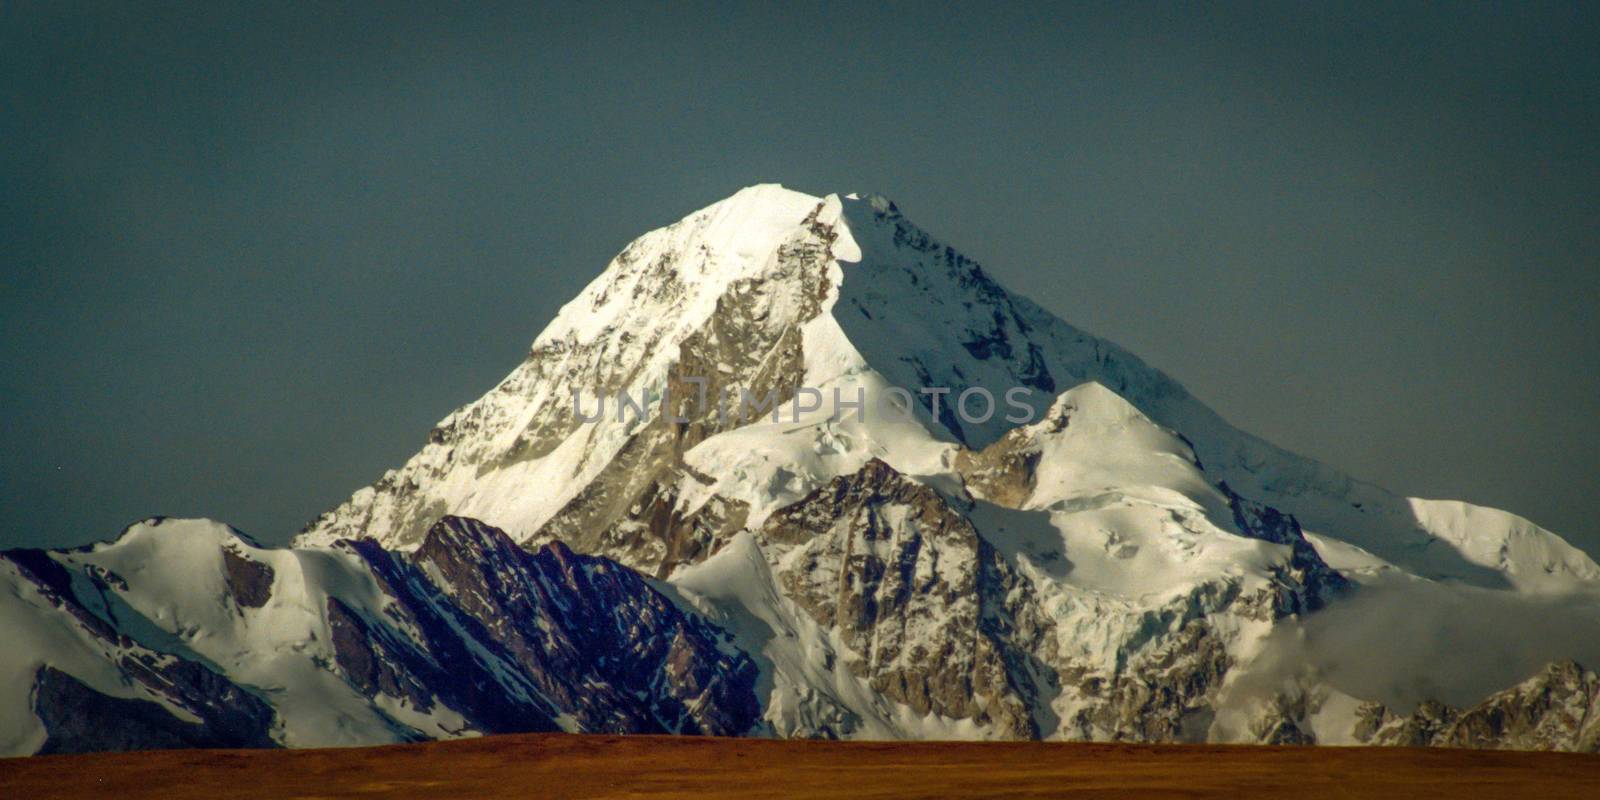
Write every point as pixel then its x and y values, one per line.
pixel 452 660
pixel 249 582
pixel 375 661
pixel 512 639
pixel 79 719
pixel 632 512
pixel 1004 472
pixel 594 637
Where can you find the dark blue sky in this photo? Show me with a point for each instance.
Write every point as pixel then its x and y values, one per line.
pixel 251 256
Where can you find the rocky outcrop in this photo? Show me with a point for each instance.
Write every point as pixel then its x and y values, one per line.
pixel 1004 472
pixel 592 636
pixel 1164 689
pixel 79 719
pixel 895 572
pixel 1557 709
pixel 513 639
pixel 249 582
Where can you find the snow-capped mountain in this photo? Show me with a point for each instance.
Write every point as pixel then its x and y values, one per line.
pixel 1111 561
pixel 187 633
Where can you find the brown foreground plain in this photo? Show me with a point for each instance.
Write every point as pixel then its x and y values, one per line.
pixel 557 766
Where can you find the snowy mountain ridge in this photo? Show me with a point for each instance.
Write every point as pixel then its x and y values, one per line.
pixel 1127 566
pixel 186 633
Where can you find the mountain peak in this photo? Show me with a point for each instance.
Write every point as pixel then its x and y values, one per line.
pixel 180 529
pixel 770 290
pixel 770 191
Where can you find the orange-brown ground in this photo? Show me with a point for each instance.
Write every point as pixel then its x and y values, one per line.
pixel 647 766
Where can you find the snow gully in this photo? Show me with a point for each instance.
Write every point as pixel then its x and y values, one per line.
pixel 974 405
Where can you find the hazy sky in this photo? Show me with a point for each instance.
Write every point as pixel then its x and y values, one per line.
pixel 251 256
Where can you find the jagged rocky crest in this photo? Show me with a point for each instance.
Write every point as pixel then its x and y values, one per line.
pixel 1123 566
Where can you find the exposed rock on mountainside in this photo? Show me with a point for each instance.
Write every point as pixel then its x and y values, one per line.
pixel 1558 709
pixel 78 719
pixel 470 634
pixel 892 570
pixel 593 636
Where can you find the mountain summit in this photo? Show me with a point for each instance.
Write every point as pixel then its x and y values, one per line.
pixel 771 290
pixel 1099 556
